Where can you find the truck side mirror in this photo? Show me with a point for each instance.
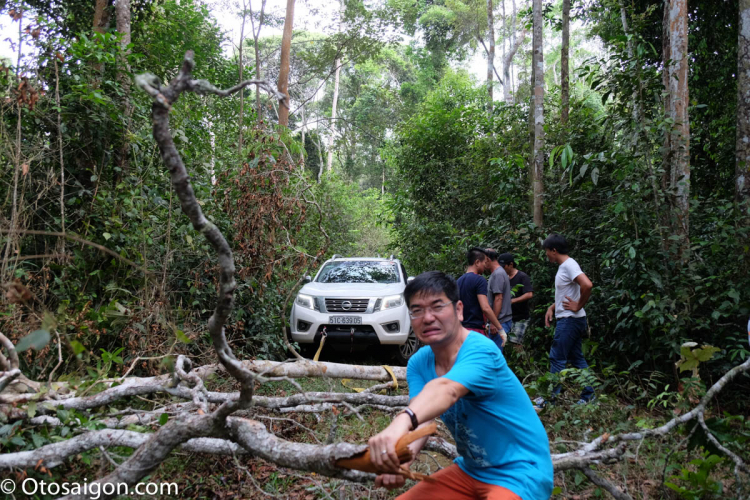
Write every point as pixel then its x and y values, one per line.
pixel 307 279
pixel 410 279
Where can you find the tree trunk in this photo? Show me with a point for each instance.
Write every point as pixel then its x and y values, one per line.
pixel 508 60
pixel 491 52
pixel 336 77
pixel 507 87
pixel 286 46
pixel 564 64
pixel 329 162
pixel 304 129
pixel 101 16
pixel 122 13
pixel 538 113
pixel 677 109
pixel 742 165
pixel 256 35
pixel 240 68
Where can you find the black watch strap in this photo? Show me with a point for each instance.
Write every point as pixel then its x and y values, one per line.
pixel 413 417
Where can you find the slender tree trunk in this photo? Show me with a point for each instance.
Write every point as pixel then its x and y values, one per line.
pixel 491 52
pixel 677 91
pixel 17 160
pixel 507 87
pixel 336 77
pixel 538 112
pixel 122 12
pixel 256 45
pixel 62 163
pixel 240 68
pixel 304 129
pixel 102 14
pixel 666 61
pixel 508 59
pixel 321 165
pixel 742 162
pixel 286 46
pixel 564 64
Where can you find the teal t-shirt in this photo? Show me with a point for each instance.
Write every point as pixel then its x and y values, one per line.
pixel 499 436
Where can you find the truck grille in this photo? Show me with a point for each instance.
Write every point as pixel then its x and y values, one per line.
pixel 343 305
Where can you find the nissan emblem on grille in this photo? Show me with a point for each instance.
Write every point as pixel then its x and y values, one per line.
pixel 346 305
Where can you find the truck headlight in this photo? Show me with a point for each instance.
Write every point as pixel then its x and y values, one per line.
pixel 306 301
pixel 392 301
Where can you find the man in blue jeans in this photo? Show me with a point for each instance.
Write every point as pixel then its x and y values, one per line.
pixel 572 292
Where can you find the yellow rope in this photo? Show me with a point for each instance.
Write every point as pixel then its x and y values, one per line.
pixel 320 348
pixel 346 381
pixel 393 376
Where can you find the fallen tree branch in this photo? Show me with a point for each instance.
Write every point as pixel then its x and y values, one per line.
pixel 603 483
pixel 52 455
pixel 8 377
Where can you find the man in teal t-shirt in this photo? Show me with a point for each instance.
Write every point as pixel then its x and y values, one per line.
pixel 460 377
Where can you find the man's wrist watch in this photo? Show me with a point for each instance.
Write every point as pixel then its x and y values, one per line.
pixel 412 416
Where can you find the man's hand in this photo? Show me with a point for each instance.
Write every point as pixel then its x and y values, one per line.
pixel 570 304
pixel 549 315
pixel 389 481
pixel 493 329
pixel 383 445
pixel 503 336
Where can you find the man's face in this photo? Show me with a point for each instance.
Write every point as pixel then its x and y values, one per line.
pixel 508 268
pixel 551 255
pixel 438 321
pixel 481 266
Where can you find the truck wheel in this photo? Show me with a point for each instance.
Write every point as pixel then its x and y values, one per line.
pixel 407 349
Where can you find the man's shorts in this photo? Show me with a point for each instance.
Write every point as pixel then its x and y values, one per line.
pixel 518 331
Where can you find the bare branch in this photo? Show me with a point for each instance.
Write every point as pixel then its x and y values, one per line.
pixel 603 483
pixel 8 377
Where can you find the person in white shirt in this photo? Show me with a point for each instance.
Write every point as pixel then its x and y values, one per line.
pixel 572 292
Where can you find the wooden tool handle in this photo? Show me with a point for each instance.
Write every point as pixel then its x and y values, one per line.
pixel 362 460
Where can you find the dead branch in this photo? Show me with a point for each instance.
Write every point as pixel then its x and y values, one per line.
pixel 54 454
pixel 603 483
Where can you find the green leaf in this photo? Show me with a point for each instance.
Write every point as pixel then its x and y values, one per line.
pixel 77 347
pixel 556 490
pixel 182 337
pixel 631 252
pixel 107 236
pixel 690 364
pixel 31 409
pixel 705 353
pixel 163 418
pixel 35 340
pixel 595 175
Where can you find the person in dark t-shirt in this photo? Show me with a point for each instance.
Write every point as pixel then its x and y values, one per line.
pixel 522 291
pixel 472 290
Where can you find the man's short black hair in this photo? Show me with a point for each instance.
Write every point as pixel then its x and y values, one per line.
pixel 491 254
pixel 432 283
pixel 556 242
pixel 474 254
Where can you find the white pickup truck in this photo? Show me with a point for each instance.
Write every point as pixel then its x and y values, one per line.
pixel 355 301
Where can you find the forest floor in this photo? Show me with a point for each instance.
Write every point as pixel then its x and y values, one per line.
pixel 643 470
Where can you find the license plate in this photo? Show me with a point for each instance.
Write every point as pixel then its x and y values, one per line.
pixel 345 320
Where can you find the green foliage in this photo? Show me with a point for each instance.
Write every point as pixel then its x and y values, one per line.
pixel 698 484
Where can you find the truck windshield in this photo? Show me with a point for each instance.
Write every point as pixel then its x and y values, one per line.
pixel 359 271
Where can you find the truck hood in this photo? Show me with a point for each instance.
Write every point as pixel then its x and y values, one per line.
pixel 352 289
